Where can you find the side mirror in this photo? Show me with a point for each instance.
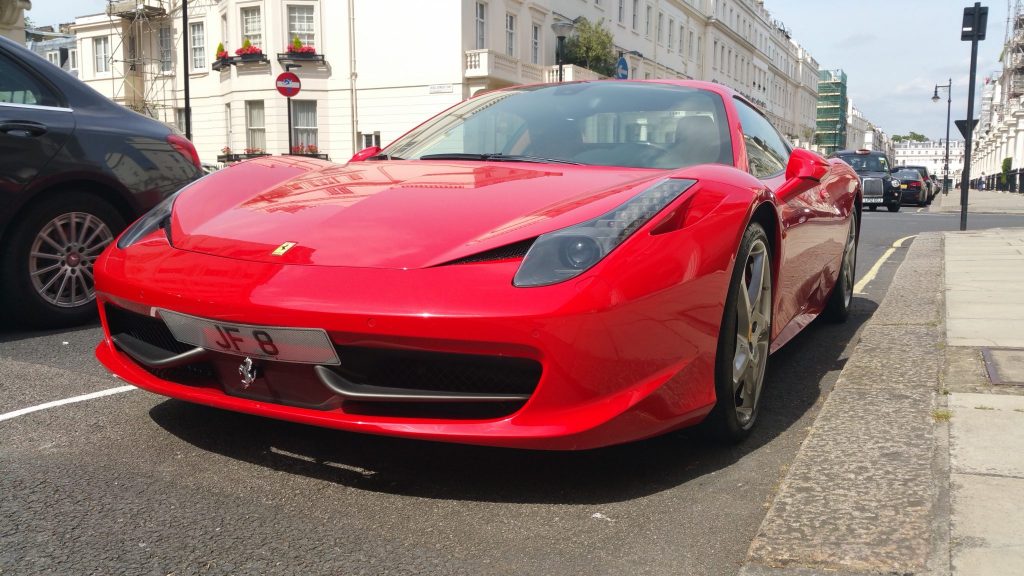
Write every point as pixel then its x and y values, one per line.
pixel 806 165
pixel 365 153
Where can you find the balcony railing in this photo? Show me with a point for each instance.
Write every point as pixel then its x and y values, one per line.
pixel 502 67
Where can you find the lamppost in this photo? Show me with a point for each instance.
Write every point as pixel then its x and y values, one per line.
pixel 562 29
pixel 949 103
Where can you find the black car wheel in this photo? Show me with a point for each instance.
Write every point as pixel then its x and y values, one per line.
pixel 743 342
pixel 47 272
pixel 893 207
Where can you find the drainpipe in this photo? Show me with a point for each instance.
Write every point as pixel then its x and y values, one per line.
pixel 352 75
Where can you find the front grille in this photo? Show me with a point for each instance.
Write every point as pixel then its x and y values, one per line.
pixel 438 372
pixel 153 331
pixel 873 187
pixel 506 252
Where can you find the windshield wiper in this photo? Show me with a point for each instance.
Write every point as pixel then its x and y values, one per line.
pixel 495 157
pixel 384 157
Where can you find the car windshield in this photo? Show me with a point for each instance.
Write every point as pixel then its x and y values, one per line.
pixel 908 175
pixel 866 162
pixel 645 125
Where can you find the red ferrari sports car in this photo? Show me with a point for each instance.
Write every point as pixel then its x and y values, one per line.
pixel 556 266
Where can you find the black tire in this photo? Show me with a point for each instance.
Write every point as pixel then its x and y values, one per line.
pixel 893 207
pixel 37 296
pixel 837 309
pixel 872 207
pixel 735 413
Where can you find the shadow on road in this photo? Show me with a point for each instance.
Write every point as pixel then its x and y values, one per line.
pixel 451 471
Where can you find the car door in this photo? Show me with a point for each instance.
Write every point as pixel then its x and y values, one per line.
pixel 807 222
pixel 35 123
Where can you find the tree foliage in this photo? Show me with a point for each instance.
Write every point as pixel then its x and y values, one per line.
pixel 912 137
pixel 1007 166
pixel 591 47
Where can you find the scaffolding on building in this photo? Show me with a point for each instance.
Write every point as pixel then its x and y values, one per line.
pixel 1014 51
pixel 830 132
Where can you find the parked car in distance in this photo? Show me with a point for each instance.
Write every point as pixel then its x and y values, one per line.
pixel 560 266
pixel 929 181
pixel 75 169
pixel 913 186
pixel 872 166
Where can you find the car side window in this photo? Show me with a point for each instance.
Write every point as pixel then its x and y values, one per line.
pixel 767 152
pixel 17 86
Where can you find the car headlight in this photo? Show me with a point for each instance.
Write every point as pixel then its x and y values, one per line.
pixel 563 254
pixel 150 221
pixel 895 183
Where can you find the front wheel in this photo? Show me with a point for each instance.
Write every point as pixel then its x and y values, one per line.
pixel 743 341
pixel 46 272
pixel 893 207
pixel 838 307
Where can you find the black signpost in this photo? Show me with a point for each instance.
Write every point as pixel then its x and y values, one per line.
pixel 973 30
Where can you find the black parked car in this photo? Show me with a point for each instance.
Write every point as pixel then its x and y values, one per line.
pixel 75 168
pixel 915 187
pixel 929 182
pixel 880 188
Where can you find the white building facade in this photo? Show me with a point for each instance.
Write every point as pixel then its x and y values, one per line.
pixel 386 66
pixel 932 155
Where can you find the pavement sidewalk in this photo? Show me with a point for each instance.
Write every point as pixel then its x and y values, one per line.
pixel 915 464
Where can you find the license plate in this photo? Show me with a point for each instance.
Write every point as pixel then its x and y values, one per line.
pixel 873 200
pixel 299 345
pixel 903 186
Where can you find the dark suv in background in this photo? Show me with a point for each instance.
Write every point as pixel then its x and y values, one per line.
pixel 75 169
pixel 877 182
pixel 929 180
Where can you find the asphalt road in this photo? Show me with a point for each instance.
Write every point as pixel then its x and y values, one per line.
pixel 134 483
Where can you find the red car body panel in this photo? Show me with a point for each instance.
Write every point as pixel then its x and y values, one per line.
pixel 627 348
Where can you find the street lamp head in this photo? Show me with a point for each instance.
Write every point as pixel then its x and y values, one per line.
pixel 562 28
pixel 935 96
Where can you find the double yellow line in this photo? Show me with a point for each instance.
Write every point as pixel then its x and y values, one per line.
pixel 858 288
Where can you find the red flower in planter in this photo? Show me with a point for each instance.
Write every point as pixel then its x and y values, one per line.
pixel 248 48
pixel 296 47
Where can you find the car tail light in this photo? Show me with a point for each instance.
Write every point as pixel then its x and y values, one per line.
pixel 915 184
pixel 185 148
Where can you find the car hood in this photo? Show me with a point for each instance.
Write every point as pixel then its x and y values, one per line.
pixel 873 174
pixel 392 214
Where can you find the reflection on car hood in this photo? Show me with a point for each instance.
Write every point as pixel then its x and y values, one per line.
pixel 395 214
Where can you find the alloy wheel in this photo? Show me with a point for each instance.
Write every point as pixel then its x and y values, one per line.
pixel 849 263
pixel 753 330
pixel 62 256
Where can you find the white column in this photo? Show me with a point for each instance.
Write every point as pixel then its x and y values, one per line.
pixel 12 19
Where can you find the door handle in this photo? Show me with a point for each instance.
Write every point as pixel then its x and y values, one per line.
pixel 23 129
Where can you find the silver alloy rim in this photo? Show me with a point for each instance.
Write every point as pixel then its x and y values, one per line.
pixel 60 262
pixel 753 328
pixel 849 262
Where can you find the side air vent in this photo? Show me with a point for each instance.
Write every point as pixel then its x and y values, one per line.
pixel 506 252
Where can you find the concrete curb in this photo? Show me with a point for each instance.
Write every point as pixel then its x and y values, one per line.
pixel 868 491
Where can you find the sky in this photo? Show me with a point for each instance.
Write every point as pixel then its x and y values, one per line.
pixel 894 52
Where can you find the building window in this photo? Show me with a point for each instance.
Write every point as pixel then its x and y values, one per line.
pixel 101 51
pixel 510 34
pixel 53 57
pixel 369 139
pixel 227 125
pixel 661 27
pixel 671 31
pixel 300 24
pixel 252 29
pixel 197 44
pixel 166 48
pixel 255 129
pixel 179 119
pixel 622 11
pixel 73 59
pixel 481 25
pixel 647 21
pixel 535 44
pixel 304 123
pixel 636 15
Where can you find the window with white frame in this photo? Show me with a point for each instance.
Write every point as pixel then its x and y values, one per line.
pixel 661 27
pixel 369 139
pixel 252 26
pixel 166 46
pixel 636 15
pixel 647 21
pixel 197 45
pixel 481 25
pixel 53 57
pixel 227 125
pixel 179 119
pixel 73 59
pixel 301 26
pixel 622 11
pixel 304 136
pixel 255 129
pixel 535 44
pixel 510 34
pixel 101 53
pixel 671 37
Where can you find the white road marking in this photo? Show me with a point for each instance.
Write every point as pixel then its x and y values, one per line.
pixel 72 400
pixel 858 288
